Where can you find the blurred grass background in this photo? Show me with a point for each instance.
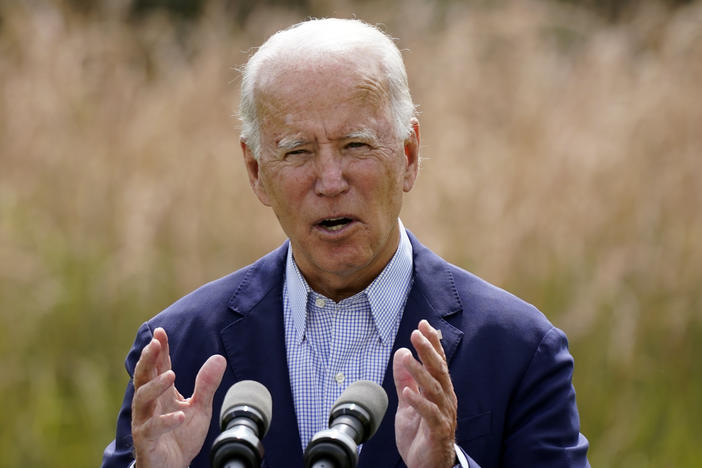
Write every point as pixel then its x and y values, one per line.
pixel 563 145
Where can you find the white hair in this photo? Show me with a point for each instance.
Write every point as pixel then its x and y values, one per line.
pixel 325 38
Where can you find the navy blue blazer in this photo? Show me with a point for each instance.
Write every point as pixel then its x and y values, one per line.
pixel 510 367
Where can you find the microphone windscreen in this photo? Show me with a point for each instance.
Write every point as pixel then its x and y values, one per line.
pixel 249 393
pixel 368 395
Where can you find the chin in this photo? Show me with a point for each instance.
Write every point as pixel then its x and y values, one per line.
pixel 339 261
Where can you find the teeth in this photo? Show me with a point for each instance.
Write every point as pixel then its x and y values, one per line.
pixel 334 224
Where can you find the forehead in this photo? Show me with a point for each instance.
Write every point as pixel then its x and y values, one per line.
pixel 338 92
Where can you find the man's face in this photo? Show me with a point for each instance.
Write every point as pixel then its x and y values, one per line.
pixel 333 169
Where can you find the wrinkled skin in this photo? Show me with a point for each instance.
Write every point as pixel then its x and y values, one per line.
pixel 332 154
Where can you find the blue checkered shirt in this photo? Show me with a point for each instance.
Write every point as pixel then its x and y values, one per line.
pixel 331 345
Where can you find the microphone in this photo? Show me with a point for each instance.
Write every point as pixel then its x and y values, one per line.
pixel 354 418
pixel 245 417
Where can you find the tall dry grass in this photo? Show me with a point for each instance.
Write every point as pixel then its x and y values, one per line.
pixel 562 163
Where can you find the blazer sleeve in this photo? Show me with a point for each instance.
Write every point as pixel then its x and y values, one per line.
pixel 118 453
pixel 543 426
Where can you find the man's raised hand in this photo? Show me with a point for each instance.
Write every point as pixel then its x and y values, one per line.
pixel 168 430
pixel 425 422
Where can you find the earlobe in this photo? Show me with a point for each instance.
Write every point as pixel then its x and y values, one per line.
pixel 412 155
pixel 253 171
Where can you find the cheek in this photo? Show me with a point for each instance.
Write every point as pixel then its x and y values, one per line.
pixel 381 185
pixel 286 188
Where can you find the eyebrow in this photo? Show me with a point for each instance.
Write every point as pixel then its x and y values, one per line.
pixel 291 142
pixel 363 134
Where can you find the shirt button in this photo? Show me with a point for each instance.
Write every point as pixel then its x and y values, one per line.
pixel 320 302
pixel 339 378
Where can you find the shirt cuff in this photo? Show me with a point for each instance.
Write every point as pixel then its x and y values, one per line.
pixel 462 461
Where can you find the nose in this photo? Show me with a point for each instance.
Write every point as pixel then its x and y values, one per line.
pixel 331 179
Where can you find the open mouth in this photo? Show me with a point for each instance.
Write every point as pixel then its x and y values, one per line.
pixel 334 224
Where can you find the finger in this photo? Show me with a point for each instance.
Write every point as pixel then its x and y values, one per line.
pixel 156 427
pixel 432 339
pixel 429 386
pixel 433 335
pixel 208 379
pixel 146 368
pixel 401 375
pixel 428 356
pixel 164 358
pixel 145 396
pixel 433 360
pixel 441 425
pixel 427 409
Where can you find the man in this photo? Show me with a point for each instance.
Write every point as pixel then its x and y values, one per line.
pixel 331 143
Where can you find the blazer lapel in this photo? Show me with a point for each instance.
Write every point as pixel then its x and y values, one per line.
pixel 432 297
pixel 255 347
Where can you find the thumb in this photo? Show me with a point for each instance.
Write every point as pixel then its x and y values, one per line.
pixel 208 379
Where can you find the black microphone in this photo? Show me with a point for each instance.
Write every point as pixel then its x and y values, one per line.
pixel 245 417
pixel 354 418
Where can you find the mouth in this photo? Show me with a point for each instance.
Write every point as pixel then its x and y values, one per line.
pixel 334 224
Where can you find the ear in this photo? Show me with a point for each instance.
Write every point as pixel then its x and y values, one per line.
pixel 412 155
pixel 253 169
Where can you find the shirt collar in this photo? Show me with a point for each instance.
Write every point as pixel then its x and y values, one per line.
pixel 386 294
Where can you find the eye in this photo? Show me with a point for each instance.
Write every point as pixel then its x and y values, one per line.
pixel 296 152
pixel 356 144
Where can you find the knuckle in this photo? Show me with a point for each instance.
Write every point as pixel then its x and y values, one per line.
pixel 435 388
pixel 443 368
pixel 446 427
pixel 453 414
pixel 139 431
pixel 139 393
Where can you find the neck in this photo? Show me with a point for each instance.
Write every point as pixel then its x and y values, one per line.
pixel 339 285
